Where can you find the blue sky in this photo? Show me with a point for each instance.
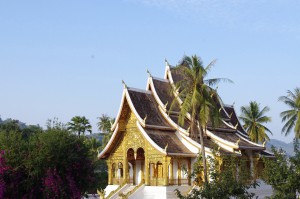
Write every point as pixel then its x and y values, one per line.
pixel 67 58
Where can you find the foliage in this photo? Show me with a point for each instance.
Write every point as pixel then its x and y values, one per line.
pixel 15 125
pixel 199 99
pixel 101 173
pixel 55 124
pixel 253 119
pixel 291 117
pixel 224 182
pixel 105 122
pixel 105 125
pixel 283 173
pixel 48 164
pixel 79 125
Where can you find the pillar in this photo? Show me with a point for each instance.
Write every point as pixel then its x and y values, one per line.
pixel 189 171
pixel 134 173
pixel 109 167
pixel 147 172
pixel 171 172
pixel 165 171
pixel 179 172
pixel 143 171
pixel 125 170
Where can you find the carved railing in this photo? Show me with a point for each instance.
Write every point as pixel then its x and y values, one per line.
pixel 125 196
pixel 115 191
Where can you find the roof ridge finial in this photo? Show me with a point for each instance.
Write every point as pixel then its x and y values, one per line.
pixel 124 84
pixel 236 125
pixel 145 119
pixel 166 147
pixel 238 141
pixel 166 61
pixel 165 105
pixel 149 73
pixel 233 104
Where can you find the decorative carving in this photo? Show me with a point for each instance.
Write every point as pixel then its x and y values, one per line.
pixel 235 127
pixel 237 142
pixel 133 146
pixel 166 147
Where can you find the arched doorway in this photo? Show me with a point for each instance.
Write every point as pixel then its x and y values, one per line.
pixel 136 165
pixel 131 165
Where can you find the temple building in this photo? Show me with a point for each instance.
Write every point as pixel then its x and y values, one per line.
pixel 150 154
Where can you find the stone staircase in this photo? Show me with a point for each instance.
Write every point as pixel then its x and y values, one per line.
pixel 147 192
pixel 126 191
pixel 115 194
pixel 159 192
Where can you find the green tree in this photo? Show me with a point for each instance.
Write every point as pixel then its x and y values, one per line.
pixel 253 119
pixel 283 173
pixel 79 125
pixel 291 117
pixel 104 124
pixel 50 164
pixel 10 125
pixel 198 97
pixel 224 183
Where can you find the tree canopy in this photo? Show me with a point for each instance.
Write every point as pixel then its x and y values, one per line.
pixel 79 125
pixel 51 163
pixel 254 118
pixel 291 117
pixel 283 173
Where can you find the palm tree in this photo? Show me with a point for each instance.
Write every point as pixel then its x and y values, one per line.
pixel 253 119
pixel 105 123
pixel 79 125
pixel 198 98
pixel 291 116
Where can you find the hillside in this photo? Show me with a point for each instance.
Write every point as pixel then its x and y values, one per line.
pixel 287 147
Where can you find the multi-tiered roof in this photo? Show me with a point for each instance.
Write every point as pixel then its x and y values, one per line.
pixel 158 122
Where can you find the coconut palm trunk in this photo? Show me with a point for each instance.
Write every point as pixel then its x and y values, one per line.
pixel 200 130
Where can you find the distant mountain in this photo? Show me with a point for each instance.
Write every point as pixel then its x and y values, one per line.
pixel 22 125
pixel 287 147
pixel 98 136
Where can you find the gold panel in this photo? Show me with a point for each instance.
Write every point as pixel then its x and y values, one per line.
pixel 132 138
